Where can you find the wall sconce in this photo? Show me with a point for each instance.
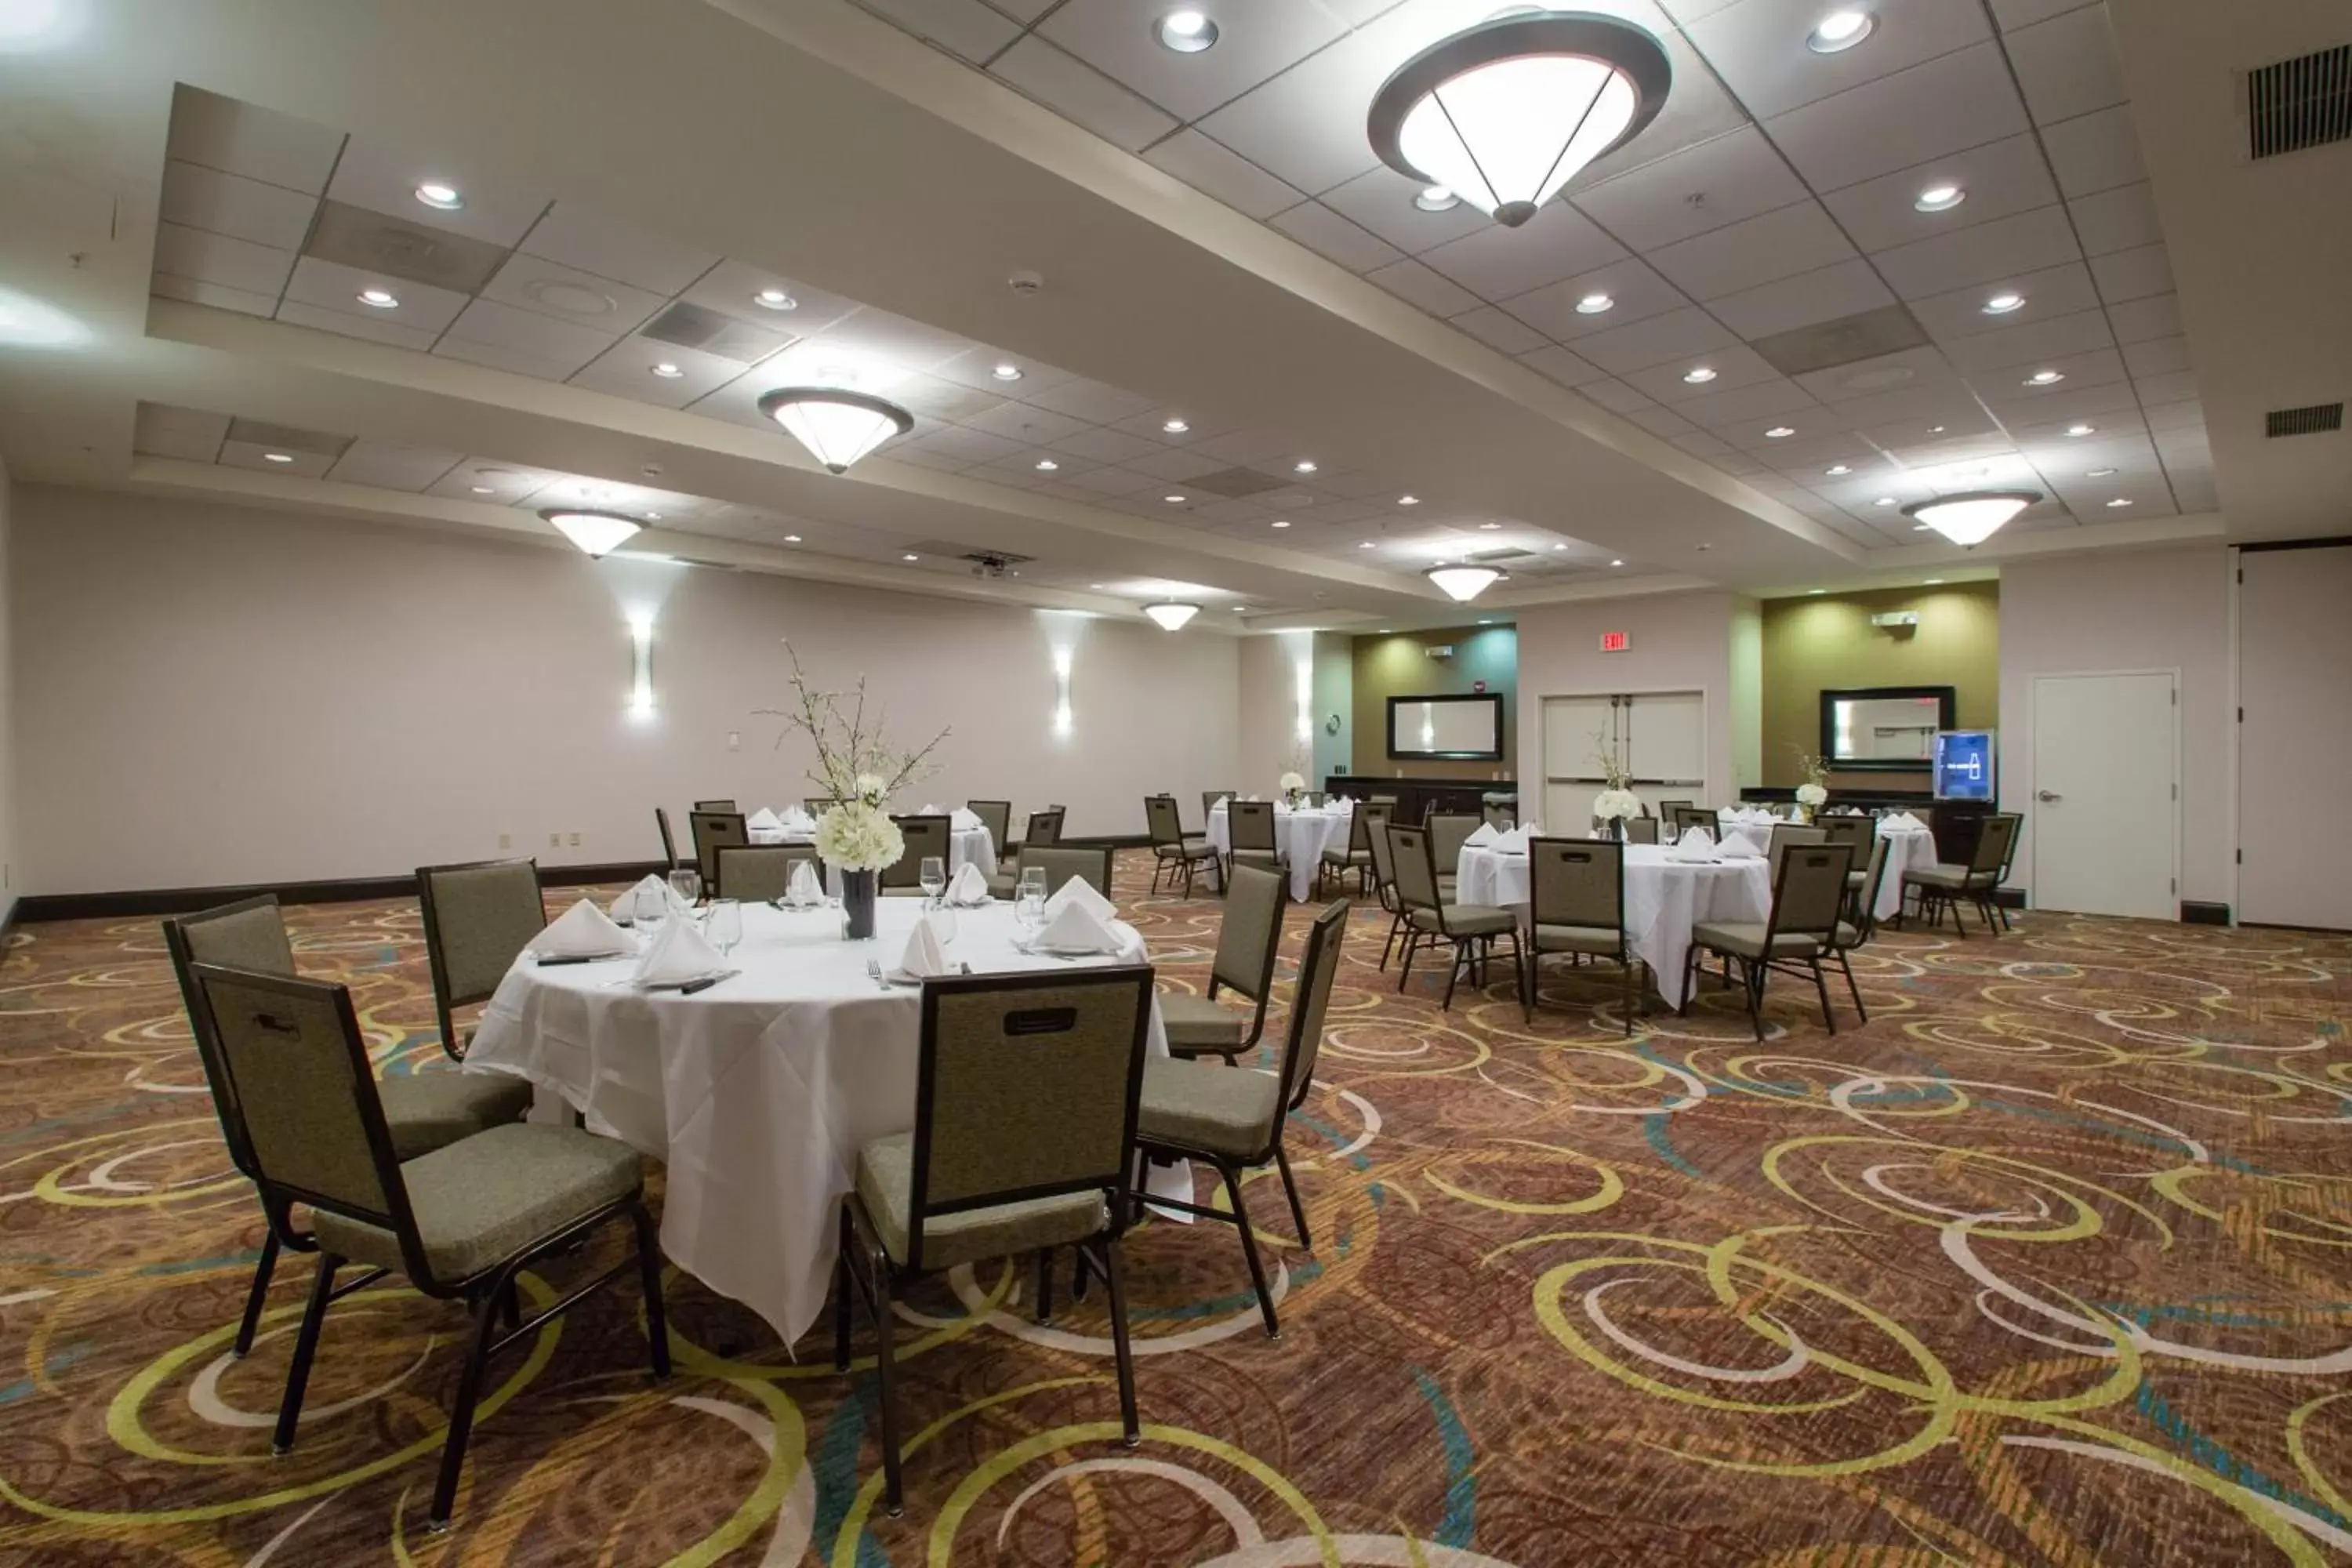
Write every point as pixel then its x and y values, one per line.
pixel 1307 700
pixel 641 683
pixel 1063 723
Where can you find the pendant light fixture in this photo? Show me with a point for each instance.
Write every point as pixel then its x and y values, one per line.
pixel 1505 113
pixel 1171 614
pixel 1968 518
pixel 596 533
pixel 837 426
pixel 1465 582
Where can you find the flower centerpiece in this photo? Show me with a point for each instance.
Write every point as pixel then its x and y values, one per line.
pixel 1292 787
pixel 858 771
pixel 1616 803
pixel 1814 793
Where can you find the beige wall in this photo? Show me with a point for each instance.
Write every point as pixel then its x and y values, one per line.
pixel 1816 645
pixel 1399 665
pixel 1681 642
pixel 217 695
pixel 9 879
pixel 2165 609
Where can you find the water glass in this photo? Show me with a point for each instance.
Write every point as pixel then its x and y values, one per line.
pixel 1029 912
pixel 651 908
pixel 686 883
pixel 1032 883
pixel 933 875
pixel 726 925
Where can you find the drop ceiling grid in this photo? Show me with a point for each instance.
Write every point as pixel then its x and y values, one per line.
pixel 1953 52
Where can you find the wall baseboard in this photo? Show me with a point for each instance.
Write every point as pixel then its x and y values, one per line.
pixel 2198 912
pixel 2008 898
pixel 43 907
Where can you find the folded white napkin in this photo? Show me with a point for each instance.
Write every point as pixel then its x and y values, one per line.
pixel 1512 842
pixel 1736 848
pixel 929 811
pixel 926 954
pixel 1903 822
pixel 680 954
pixel 1484 834
pixel 1077 930
pixel 1079 891
pixel 624 907
pixel 796 819
pixel 968 887
pixel 1696 843
pixel 803 884
pixel 764 821
pixel 583 931
pixel 964 819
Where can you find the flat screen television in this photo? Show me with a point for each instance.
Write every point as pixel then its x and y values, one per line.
pixel 1964 765
pixel 1467 728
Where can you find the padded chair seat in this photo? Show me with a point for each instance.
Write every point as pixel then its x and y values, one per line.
pixel 886 1174
pixel 1197 1023
pixel 1606 941
pixel 482 1199
pixel 1257 856
pixel 1746 940
pixel 1955 877
pixel 1467 920
pixel 429 1110
pixel 1347 857
pixel 1216 1109
pixel 1004 886
pixel 1194 848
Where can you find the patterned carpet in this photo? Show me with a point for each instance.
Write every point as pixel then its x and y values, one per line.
pixel 2052 1263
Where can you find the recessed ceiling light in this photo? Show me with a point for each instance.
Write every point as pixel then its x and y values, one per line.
pixel 2098 473
pixel 2082 429
pixel 277 457
pixel 2045 378
pixel 1559 547
pixel 1488 527
pixel 1485 620
pixel 1006 373
pixel 1778 433
pixel 440 198
pixel 1919 527
pixel 1386 631
pixel 910 556
pixel 1593 304
pixel 792 539
pixel 1840 468
pixel 1174 427
pixel 653 517
pixel 775 300
pixel 1884 500
pixel 1839 31
pixel 1939 198
pixel 1368 544
pixel 1616 563
pixel 1096 586
pixel 1408 500
pixel 1817 590
pixel 1174 500
pixel 1304 466
pixel 1281 523
pixel 2003 303
pixel 1698 375
pixel 2119 501
pixel 1047 466
pixel 483 490
pixel 668 371
pixel 1187 31
pixel 379 299
pixel 1933 581
pixel 1935 429
pixel 1436 199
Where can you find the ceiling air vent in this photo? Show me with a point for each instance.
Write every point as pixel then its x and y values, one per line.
pixel 372 242
pixel 1873 334
pixel 2315 420
pixel 694 327
pixel 287 438
pixel 1234 483
pixel 2298 103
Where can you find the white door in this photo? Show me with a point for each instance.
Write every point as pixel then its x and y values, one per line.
pixel 1574 730
pixel 1667 744
pixel 2104 819
pixel 2294 751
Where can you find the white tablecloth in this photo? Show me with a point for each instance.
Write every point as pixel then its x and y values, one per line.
pixel 758 1093
pixel 1905 848
pixel 1303 836
pixel 1664 899
pixel 966 845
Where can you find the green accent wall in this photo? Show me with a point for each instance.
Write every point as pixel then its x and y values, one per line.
pixel 1398 666
pixel 1827 643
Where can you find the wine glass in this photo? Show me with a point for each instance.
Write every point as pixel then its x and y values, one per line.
pixel 726 927
pixel 652 907
pixel 933 875
pixel 1029 913
pixel 686 883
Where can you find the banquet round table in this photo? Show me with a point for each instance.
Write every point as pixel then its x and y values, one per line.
pixel 1664 898
pixel 1302 835
pixel 1909 847
pixel 966 847
pixel 758 1093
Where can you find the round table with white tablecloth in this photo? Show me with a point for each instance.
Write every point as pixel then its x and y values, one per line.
pixel 1302 835
pixel 1909 846
pixel 1664 898
pixel 758 1093
pixel 966 845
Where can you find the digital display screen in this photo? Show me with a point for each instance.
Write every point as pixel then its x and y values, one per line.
pixel 1963 764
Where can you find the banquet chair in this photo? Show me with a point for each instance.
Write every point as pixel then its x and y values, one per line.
pixel 1250 836
pixel 1785 833
pixel 714 831
pixel 1248 938
pixel 996 816
pixel 1855 832
pixel 924 836
pixel 1365 824
pixel 1209 798
pixel 1861 921
pixel 424 1109
pixel 1577 905
pixel 760 873
pixel 714 805
pixel 818 804
pixel 1940 887
pixel 669 844
pixel 1042 831
pixel 1025 1096
pixel 460 1222
pixel 477 920
pixel 1448 831
pixel 1640 830
pixel 1235 1120
pixel 1470 930
pixel 1501 818
pixel 1666 808
pixel 1174 852
pixel 2016 835
pixel 1682 817
pixel 1808 897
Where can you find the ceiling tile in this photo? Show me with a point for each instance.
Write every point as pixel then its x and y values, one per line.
pixel 1027 425
pixel 1735 366
pixel 198 197
pixel 2094 151
pixel 2000 178
pixel 581 237
pixel 217 258
pixel 1496 262
pixel 1635 290
pixel 1073 89
pixel 1416 285
pixel 1327 233
pixel 626 370
pixel 943 399
pixel 1780 244
pixel 1906 370
pixel 2182 416
pixel 384 179
pixel 1175 464
pixel 2067 66
pixel 2136 320
pixel 2120 219
pixel 1747 403
pixel 245 455
pixel 1733 176
pixel 893 339
pixel 1092 401
pixel 1254 42
pixel 239 138
pixel 1982 252
pixel 191 435
pixel 733 288
pixel 963 27
pixel 1382 200
pixel 1662 422
pixel 217 295
pixel 964 446
pixel 2177 386
pixel 392 467
pixel 976 368
pixel 1699 444
pixel 374 329
pixel 1699 110
pixel 2133 273
pixel 1106 445
pixel 537 338
pixel 1896 121
pixel 1253 447
pixel 1558 365
pixel 2047 291
pixel 1825 294
pixel 2031 342
pixel 1218 172
pixel 1678 334
pixel 2011 14
pixel 546 288
pixel 1499 330
pixel 1759 48
pixel 332 286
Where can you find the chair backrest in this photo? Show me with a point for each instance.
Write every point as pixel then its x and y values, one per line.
pixel 1864 903
pixel 818 804
pixel 714 805
pixel 996 816
pixel 249 934
pixel 1064 861
pixel 714 831
pixel 1855 832
pixel 759 873
pixel 477 920
pixel 1364 824
pixel 1416 873
pixel 1684 816
pixel 1667 807
pixel 1448 831
pixel 1498 816
pixel 1251 932
pixel 669 844
pixel 1785 833
pixel 1209 798
pixel 1044 828
pixel 1162 820
pixel 1641 829
pixel 923 836
pixel 1576 882
pixel 1249 824
pixel 1376 837
pixel 1809 890
pixel 1026 1088
pixel 1318 967
pixel 2016 836
pixel 1991 858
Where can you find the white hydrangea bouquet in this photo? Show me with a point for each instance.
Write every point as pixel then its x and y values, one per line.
pixel 1292 786
pixel 1814 793
pixel 1616 802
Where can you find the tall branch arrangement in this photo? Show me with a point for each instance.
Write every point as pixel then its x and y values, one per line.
pixel 1815 790
pixel 1616 800
pixel 855 767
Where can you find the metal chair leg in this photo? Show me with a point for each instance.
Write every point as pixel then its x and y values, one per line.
pixel 1290 1185
pixel 1822 984
pixel 461 1413
pixel 306 1345
pixel 885 1366
pixel 1045 1285
pixel 256 1295
pixel 1130 1424
pixel 1754 975
pixel 1853 989
pixel 1249 1249
pixel 841 1286
pixel 649 1278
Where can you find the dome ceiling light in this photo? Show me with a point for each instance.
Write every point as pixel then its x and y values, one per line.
pixel 1507 113
pixel 1171 614
pixel 837 426
pixel 1465 582
pixel 1970 517
pixel 595 532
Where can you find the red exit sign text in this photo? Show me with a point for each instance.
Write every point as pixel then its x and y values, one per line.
pixel 1616 642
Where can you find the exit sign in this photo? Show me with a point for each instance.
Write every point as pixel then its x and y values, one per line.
pixel 1616 642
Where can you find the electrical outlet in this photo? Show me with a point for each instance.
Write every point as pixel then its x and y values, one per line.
pixel 555 841
pixel 734 739
pixel 575 841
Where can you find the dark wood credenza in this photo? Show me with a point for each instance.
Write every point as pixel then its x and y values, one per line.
pixel 1416 798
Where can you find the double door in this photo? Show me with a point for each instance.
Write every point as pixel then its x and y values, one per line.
pixel 1657 737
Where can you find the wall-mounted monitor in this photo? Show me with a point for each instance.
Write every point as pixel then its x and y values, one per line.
pixel 1885 728
pixel 1964 766
pixel 1446 729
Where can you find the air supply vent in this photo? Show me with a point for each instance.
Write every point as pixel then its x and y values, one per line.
pixel 287 438
pixel 1234 483
pixel 694 327
pixel 2298 103
pixel 2316 420
pixel 1873 334
pixel 372 242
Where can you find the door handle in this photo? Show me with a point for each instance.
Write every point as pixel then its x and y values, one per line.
pixel 2047 794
